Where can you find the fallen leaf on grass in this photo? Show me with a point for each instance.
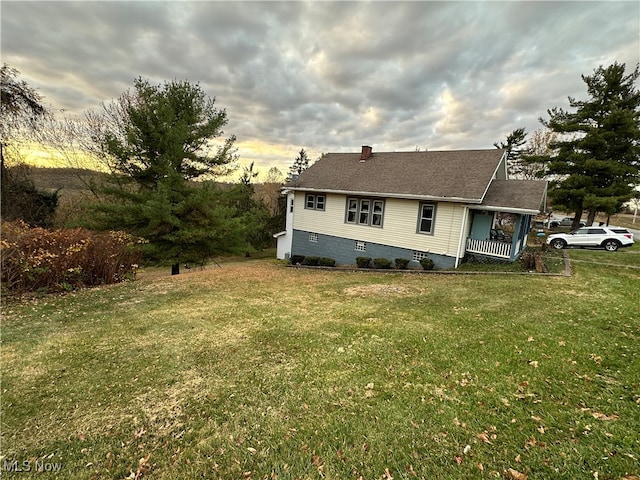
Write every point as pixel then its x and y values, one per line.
pixel 315 459
pixel 516 475
pixel 534 443
pixel 602 416
pixel 411 470
pixel 483 436
pixel 387 474
pixel 143 467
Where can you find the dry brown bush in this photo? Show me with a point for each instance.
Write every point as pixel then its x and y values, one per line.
pixel 37 259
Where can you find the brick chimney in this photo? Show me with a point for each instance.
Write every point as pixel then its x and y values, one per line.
pixel 366 153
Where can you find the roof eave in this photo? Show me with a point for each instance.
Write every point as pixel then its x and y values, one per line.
pixel 522 211
pixel 407 196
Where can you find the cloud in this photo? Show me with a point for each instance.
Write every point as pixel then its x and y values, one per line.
pixel 329 76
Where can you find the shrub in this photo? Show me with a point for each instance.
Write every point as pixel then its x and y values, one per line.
pixel 528 260
pixel 427 263
pixel 297 259
pixel 363 262
pixel 37 259
pixel 401 263
pixel 326 262
pixel 311 261
pixel 382 263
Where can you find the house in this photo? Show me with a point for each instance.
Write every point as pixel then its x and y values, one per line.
pixel 437 204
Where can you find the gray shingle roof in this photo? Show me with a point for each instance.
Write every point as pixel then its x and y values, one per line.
pixel 526 195
pixel 456 175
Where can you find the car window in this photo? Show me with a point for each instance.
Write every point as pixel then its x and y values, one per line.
pixel 581 231
pixel 620 230
pixel 597 231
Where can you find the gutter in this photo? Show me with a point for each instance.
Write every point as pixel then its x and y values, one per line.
pixel 405 196
pixel 524 211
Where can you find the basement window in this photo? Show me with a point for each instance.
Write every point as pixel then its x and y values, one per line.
pixel 417 256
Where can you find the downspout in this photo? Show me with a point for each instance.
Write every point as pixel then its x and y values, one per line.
pixel 461 239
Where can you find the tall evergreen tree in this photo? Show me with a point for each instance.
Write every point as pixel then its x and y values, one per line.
pixel 514 146
pixel 596 161
pixel 157 139
pixel 300 164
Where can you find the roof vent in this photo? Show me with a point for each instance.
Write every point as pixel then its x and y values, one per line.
pixel 366 153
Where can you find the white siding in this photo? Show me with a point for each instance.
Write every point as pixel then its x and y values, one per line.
pixel 399 224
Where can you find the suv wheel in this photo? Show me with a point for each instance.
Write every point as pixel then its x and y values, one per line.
pixel 611 245
pixel 558 243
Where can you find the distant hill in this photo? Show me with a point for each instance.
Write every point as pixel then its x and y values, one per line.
pixel 63 178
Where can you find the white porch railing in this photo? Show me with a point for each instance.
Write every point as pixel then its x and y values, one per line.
pixel 494 248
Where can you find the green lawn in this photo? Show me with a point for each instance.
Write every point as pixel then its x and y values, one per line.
pixel 259 371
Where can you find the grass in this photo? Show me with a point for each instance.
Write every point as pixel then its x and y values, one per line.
pixel 258 371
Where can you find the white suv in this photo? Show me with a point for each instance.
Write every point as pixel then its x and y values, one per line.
pixel 610 238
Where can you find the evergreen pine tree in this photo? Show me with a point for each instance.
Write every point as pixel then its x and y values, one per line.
pixel 595 164
pixel 159 151
pixel 300 164
pixel 514 148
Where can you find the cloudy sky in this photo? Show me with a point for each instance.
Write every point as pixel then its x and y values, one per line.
pixel 329 76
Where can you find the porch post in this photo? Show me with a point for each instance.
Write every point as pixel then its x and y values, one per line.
pixel 465 214
pixel 518 234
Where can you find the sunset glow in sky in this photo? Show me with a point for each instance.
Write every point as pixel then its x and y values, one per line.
pixel 329 76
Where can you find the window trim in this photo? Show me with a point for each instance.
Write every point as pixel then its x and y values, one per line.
pixel 312 201
pixel 357 212
pixel 421 218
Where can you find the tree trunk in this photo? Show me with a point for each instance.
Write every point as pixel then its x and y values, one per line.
pixel 175 269
pixel 591 218
pixel 576 219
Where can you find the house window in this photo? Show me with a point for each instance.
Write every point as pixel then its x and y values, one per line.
pixel 363 218
pixel 376 215
pixel 361 246
pixel 365 211
pixel 314 202
pixel 426 218
pixel 352 210
pixel 313 237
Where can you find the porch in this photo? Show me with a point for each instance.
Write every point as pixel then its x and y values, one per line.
pixel 487 237
pixel 493 248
